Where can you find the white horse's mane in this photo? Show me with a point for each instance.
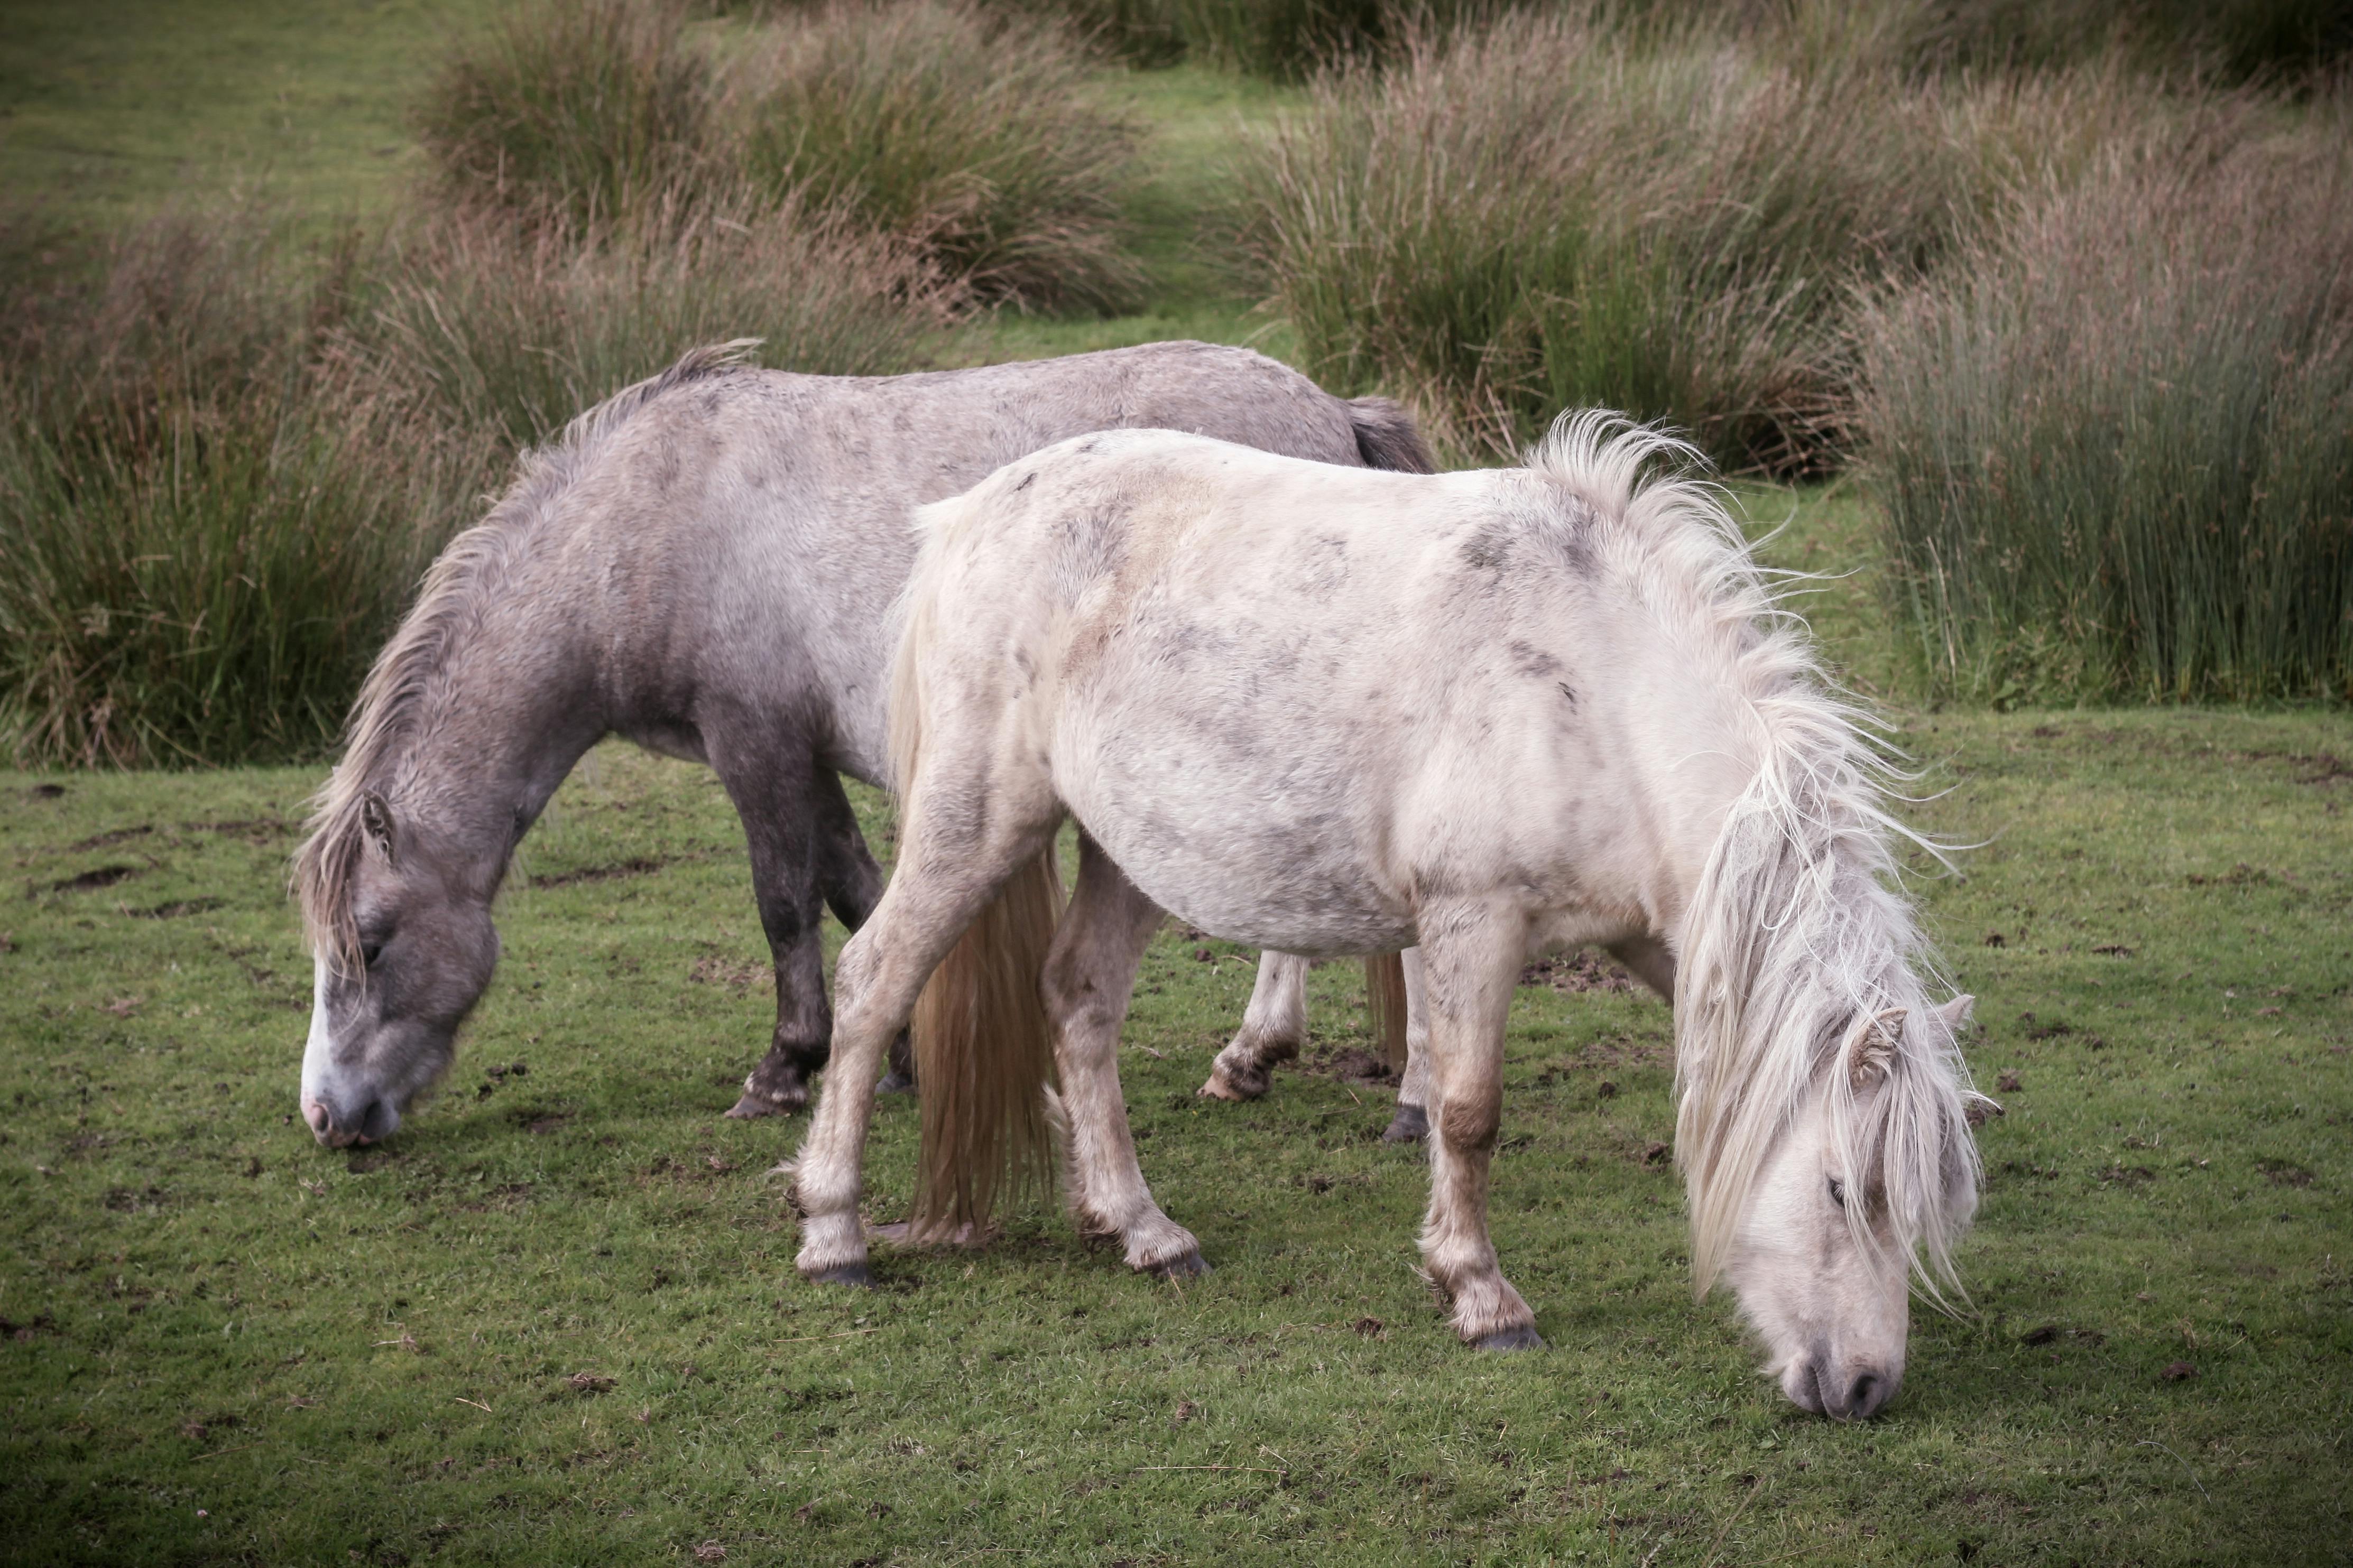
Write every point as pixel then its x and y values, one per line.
pixel 396 703
pixel 1797 937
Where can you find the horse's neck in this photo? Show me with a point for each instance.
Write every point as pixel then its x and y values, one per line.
pixel 506 718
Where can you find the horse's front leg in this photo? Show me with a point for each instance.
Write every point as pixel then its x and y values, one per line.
pixel 771 779
pixel 1273 1025
pixel 1089 978
pixel 1471 956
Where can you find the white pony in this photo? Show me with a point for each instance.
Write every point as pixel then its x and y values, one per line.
pixel 1326 711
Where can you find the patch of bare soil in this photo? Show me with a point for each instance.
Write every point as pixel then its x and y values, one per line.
pixel 1577 971
pixel 737 976
pixel 100 876
pixel 1352 1065
pixel 637 866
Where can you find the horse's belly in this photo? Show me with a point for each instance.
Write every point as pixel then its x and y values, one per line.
pixel 1279 859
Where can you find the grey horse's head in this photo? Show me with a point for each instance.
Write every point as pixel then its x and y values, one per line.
pixel 400 926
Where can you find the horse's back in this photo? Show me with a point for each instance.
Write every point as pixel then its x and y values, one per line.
pixel 1272 686
pixel 750 526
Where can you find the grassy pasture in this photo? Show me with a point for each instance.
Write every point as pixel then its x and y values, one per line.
pixel 205 1311
pixel 179 1253
pixel 200 1311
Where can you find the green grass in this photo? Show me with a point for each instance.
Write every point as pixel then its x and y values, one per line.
pixel 1183 197
pixel 2169 1183
pixel 111 107
pixel 204 1311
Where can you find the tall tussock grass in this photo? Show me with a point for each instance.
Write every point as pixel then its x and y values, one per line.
pixel 204 530
pixel 2115 441
pixel 1557 210
pixel 585 110
pixel 1283 41
pixel 225 459
pixel 481 328
pixel 970 136
pixel 967 134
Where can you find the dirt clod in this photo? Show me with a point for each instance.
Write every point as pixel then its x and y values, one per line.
pixel 1352 1065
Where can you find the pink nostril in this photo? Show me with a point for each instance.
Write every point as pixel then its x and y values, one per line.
pixel 316 1115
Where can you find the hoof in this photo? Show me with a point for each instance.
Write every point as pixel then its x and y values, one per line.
pixel 853 1274
pixel 1410 1125
pixel 895 1081
pixel 755 1105
pixel 1523 1338
pixel 1218 1089
pixel 1184 1266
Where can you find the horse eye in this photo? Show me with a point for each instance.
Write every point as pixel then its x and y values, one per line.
pixel 1838 1191
pixel 370 952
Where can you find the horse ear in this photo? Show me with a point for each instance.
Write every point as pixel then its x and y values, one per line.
pixel 375 818
pixel 1874 1045
pixel 1956 1014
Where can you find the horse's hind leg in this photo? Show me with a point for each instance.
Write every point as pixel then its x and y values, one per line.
pixel 775 784
pixel 1089 976
pixel 1273 1025
pixel 852 885
pixel 1411 1122
pixel 1470 960
pixel 945 877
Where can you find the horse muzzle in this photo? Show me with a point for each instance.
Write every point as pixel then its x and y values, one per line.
pixel 337 1129
pixel 1848 1392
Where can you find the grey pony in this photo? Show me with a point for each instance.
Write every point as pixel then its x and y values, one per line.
pixel 705 564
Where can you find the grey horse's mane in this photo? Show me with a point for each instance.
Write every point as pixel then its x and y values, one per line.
pixel 1798 946
pixel 397 703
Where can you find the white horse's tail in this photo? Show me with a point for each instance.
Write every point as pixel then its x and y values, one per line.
pixel 984 1046
pixel 985 1056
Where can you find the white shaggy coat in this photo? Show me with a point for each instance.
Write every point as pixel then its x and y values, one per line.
pixel 1326 711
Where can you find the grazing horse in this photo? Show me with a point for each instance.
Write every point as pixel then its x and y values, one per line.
pixel 705 564
pixel 1324 710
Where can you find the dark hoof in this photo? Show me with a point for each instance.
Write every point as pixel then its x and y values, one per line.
pixel 1523 1338
pixel 1188 1266
pixel 897 1082
pixel 754 1105
pixel 1410 1125
pixel 853 1274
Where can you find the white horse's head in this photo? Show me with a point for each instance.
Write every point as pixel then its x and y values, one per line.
pixel 1822 1255
pixel 1860 1186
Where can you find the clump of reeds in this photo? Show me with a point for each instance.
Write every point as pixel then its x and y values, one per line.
pixel 486 328
pixel 2115 441
pixel 205 536
pixel 1557 210
pixel 969 134
pixel 972 137
pixel 582 111
pixel 224 458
